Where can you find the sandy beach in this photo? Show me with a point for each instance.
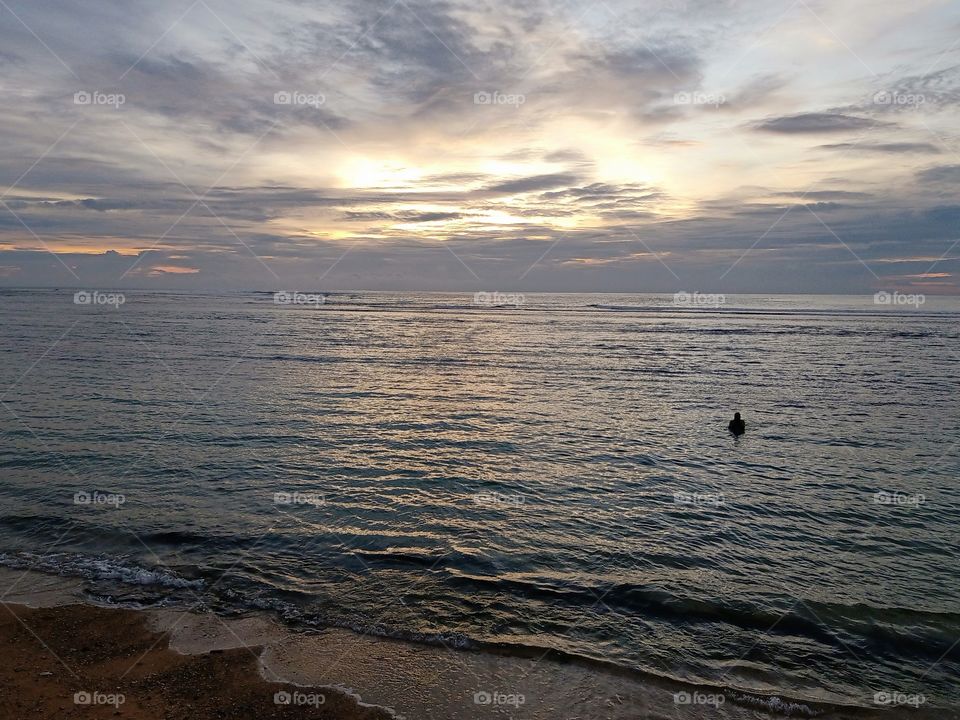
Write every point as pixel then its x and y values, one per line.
pixel 83 661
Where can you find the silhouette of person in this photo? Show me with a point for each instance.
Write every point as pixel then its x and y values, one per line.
pixel 737 426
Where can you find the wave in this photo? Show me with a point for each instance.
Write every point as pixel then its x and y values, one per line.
pixel 97 569
pixel 653 602
pixel 776 704
pixel 928 634
pixel 925 632
pixel 404 556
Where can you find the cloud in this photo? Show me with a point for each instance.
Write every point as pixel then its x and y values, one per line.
pixel 405 216
pixel 893 148
pixel 940 174
pixel 422 217
pixel 535 182
pixel 815 123
pixel 567 155
pixel 827 195
pixel 935 89
pixel 756 92
pixel 657 61
pixel 399 165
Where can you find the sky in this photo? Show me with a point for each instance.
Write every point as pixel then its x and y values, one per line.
pixel 803 146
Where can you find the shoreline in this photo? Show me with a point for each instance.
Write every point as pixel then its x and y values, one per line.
pixel 232 667
pixel 86 661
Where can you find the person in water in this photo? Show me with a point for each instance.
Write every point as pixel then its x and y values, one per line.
pixel 737 426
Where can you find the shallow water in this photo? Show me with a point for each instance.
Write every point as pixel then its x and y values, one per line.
pixel 550 476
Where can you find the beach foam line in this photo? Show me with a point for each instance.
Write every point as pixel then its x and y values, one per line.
pixel 776 704
pixel 96 568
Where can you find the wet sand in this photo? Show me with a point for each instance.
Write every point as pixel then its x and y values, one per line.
pixel 82 661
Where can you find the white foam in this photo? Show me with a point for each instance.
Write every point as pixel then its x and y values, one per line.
pixel 774 703
pixel 96 569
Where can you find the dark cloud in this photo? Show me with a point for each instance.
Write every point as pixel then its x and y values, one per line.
pixel 408 216
pixel 777 210
pixel 827 195
pixel 420 217
pixel 666 62
pixel 815 123
pixel 893 148
pixel 605 190
pixel 533 183
pixel 940 174
pixel 366 216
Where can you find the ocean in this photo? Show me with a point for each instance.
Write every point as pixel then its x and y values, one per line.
pixel 524 475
